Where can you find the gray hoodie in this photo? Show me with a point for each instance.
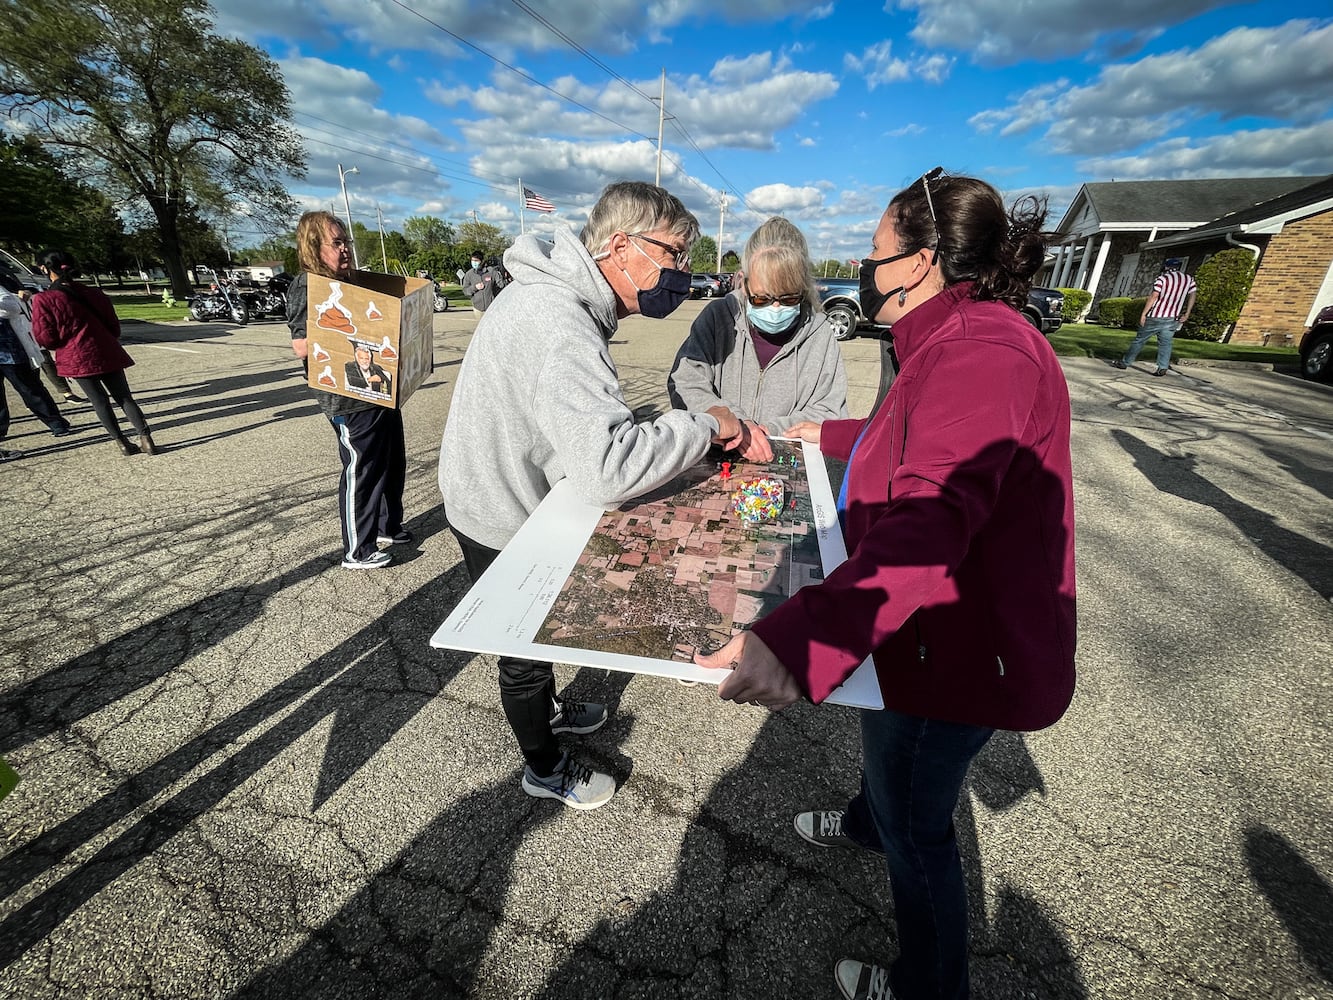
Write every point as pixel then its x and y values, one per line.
pixel 717 366
pixel 538 400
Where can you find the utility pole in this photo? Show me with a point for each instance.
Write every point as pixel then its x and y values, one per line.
pixel 661 120
pixel 828 249
pixel 384 254
pixel 347 207
pixel 721 219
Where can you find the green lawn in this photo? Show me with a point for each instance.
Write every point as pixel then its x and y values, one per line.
pixel 1091 341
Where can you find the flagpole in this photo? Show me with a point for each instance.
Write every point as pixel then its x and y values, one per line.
pixel 521 223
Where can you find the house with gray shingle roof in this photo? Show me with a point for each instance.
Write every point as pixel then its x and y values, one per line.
pixel 1099 244
pixel 1291 238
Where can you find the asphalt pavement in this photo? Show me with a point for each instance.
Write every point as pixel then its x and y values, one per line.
pixel 246 774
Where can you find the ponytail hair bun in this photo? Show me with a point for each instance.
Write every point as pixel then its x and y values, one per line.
pixel 60 263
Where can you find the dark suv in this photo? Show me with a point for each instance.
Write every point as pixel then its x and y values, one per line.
pixel 1317 348
pixel 841 298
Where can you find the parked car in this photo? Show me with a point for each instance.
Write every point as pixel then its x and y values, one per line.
pixel 724 282
pixel 705 286
pixel 27 276
pixel 1317 348
pixel 841 298
pixel 1045 309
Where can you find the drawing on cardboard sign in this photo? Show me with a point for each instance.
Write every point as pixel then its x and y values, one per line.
pixel 678 571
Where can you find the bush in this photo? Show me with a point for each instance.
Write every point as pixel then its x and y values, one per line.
pixel 1111 312
pixel 1224 285
pixel 1133 310
pixel 1076 300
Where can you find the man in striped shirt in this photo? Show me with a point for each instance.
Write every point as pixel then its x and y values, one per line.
pixel 1165 312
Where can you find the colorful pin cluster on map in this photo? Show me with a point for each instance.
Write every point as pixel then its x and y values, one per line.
pixel 758 500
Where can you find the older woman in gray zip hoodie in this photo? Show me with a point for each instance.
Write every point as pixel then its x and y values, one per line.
pixel 538 400
pixel 766 350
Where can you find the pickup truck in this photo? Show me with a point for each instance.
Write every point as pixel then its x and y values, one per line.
pixel 841 298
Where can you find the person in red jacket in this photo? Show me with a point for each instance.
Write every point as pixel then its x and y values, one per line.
pixel 80 326
pixel 957 508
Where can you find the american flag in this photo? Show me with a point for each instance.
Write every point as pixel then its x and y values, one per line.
pixel 534 201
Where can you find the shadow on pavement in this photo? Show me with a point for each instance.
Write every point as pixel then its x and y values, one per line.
pixel 1307 558
pixel 1301 897
pixel 371 684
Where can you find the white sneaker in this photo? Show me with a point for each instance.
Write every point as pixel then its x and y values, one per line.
pixel 574 784
pixel 862 980
pixel 376 560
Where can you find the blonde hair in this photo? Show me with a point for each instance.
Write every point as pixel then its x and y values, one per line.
pixel 310 234
pixel 637 207
pixel 778 252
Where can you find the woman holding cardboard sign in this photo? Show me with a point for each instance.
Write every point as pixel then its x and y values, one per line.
pixel 370 436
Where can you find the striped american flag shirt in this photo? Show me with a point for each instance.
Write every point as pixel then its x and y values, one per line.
pixel 1172 289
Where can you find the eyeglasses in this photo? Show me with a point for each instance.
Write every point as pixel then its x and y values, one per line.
pixel 759 301
pixel 680 257
pixel 338 244
pixel 868 264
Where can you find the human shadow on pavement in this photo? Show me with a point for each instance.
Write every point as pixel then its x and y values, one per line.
pixel 1301 897
pixel 371 685
pixel 423 926
pixel 1303 556
pixel 755 911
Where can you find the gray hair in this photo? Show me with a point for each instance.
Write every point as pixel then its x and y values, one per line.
pixel 637 207
pixel 778 252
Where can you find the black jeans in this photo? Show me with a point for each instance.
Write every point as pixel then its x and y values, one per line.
pixel 100 390
pixel 23 377
pixel 527 687
pixel 913 771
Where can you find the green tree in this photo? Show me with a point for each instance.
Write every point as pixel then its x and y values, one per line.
pixel 703 255
pixel 474 236
pixel 143 92
pixel 426 232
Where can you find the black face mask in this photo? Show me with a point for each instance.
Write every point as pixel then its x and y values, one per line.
pixel 660 301
pixel 872 299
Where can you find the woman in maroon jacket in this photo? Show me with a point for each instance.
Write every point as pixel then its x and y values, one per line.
pixel 957 508
pixel 79 324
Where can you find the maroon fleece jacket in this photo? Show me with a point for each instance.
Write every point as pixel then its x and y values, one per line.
pixel 81 328
pixel 960 529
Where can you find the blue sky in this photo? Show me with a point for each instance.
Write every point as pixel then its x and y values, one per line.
pixel 817 112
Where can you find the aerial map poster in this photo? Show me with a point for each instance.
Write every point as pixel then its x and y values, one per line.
pixel 644 586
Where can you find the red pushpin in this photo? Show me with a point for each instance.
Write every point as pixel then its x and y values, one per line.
pixel 726 470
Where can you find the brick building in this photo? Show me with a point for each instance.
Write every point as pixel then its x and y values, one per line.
pixel 1291 238
pixel 1115 234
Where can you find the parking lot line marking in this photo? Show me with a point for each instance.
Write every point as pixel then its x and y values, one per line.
pixel 159 347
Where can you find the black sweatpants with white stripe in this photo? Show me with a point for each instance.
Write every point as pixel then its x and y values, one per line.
pixel 370 490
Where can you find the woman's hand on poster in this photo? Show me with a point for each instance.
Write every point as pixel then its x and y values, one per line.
pixel 757 676
pixel 806 430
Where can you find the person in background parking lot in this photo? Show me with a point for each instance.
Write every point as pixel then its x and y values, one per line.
pixel 1165 312
pixel 80 326
pixel 371 445
pixel 20 357
pixel 765 350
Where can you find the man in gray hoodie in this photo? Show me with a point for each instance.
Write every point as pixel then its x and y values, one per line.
pixel 537 400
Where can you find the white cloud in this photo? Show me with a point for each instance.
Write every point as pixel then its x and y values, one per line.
pixel 1003 32
pixel 1279 73
pixel 1254 153
pixel 911 128
pixel 774 198
pixel 807 141
pixel 879 66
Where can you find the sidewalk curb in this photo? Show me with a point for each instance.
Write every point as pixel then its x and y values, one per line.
pixel 1252 366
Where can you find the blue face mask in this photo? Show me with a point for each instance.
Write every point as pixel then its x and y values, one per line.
pixel 772 319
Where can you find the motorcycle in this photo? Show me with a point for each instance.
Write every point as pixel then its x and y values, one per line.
pixel 271 300
pixel 441 303
pixel 221 301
